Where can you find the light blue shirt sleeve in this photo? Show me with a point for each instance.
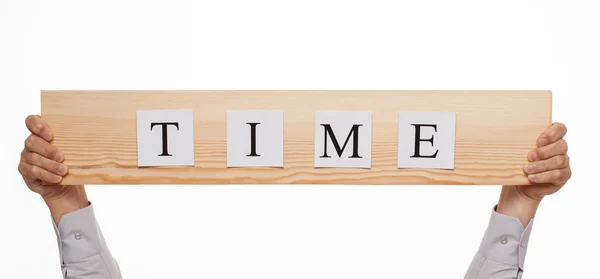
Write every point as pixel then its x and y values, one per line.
pixel 83 250
pixel 502 251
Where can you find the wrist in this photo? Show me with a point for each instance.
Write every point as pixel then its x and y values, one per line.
pixel 72 200
pixel 513 203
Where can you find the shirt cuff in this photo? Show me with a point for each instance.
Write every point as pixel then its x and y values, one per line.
pixel 506 240
pixel 79 235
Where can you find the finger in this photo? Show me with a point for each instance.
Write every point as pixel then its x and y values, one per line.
pixel 33 172
pixel 553 176
pixel 39 127
pixel 45 163
pixel 545 152
pixel 38 145
pixel 556 162
pixel 24 170
pixel 556 132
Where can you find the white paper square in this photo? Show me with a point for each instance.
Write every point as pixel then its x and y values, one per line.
pixel 267 149
pixel 179 148
pixel 344 125
pixel 442 135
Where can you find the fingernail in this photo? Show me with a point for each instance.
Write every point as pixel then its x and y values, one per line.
pixel 56 179
pixel 532 156
pixel 542 142
pixel 46 135
pixel 532 177
pixel 62 169
pixel 528 168
pixel 58 157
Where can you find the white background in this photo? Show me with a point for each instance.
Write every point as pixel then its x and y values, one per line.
pixel 302 231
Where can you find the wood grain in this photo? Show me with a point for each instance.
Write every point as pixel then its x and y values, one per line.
pixel 96 130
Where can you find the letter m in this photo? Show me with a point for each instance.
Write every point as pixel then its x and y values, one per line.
pixel 353 133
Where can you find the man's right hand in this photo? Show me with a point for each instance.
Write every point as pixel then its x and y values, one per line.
pixel 41 163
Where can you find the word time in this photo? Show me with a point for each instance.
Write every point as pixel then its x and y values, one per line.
pixel 342 139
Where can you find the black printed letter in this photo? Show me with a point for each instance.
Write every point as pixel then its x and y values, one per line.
pixel 165 146
pixel 252 140
pixel 418 141
pixel 329 131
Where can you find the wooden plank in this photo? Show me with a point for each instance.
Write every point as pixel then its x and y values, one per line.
pixel 96 130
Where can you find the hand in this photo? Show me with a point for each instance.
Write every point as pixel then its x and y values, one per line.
pixel 41 163
pixel 548 168
pixel 549 164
